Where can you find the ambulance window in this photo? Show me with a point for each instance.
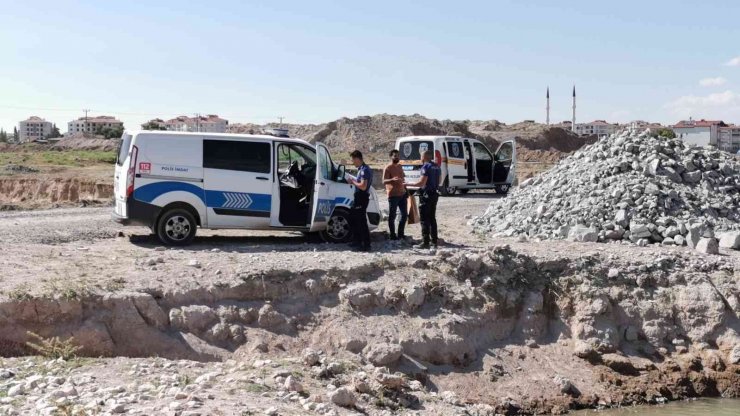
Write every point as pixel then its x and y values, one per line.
pixel 481 153
pixel 413 149
pixel 505 151
pixel 455 150
pixel 237 155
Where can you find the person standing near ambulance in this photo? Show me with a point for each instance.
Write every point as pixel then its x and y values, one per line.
pixel 393 179
pixel 428 196
pixel 358 213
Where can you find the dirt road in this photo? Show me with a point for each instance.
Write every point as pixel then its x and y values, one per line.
pixel 82 248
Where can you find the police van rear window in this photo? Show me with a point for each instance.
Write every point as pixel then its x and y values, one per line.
pixel 123 149
pixel 413 149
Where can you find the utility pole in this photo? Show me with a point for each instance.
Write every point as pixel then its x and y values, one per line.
pixel 197 122
pixel 281 120
pixel 547 108
pixel 574 108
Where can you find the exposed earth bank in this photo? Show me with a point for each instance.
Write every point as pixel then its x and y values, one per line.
pixel 273 324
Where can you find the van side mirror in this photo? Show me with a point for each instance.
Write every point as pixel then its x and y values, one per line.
pixel 341 173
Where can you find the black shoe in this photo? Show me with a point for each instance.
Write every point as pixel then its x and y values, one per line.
pixel 422 246
pixel 393 237
pixel 363 249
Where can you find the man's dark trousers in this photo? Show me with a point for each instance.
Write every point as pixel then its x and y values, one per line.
pixel 428 216
pixel 395 203
pixel 358 217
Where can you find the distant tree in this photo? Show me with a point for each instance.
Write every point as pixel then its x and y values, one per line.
pixel 664 132
pixel 3 136
pixel 54 133
pixel 151 125
pixel 16 137
pixel 110 132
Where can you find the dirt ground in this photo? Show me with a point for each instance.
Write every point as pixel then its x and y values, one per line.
pixel 81 248
pixel 232 314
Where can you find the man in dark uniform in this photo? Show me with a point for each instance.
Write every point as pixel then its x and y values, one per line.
pixel 358 214
pixel 428 196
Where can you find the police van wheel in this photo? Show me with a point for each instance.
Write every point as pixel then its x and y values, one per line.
pixel 502 189
pixel 446 189
pixel 176 227
pixel 338 229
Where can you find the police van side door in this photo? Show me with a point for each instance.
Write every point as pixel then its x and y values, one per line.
pixel 237 177
pixel 323 197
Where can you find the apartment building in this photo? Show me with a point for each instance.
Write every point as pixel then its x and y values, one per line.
pixel 209 124
pixel 699 132
pixel 91 125
pixel 598 128
pixel 34 128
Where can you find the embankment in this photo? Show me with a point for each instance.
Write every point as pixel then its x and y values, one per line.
pixel 493 326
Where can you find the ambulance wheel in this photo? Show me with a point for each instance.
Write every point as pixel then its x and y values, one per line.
pixel 338 229
pixel 176 227
pixel 447 190
pixel 502 189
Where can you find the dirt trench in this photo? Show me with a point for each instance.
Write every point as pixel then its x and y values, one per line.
pixel 45 192
pixel 504 323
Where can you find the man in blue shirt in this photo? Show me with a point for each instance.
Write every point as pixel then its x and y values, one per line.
pixel 358 214
pixel 428 196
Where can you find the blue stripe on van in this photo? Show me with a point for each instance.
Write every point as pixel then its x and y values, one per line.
pixel 150 192
pixel 212 199
pixel 239 200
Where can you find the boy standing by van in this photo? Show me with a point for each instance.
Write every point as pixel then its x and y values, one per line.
pixel 358 214
pixel 428 196
pixel 393 179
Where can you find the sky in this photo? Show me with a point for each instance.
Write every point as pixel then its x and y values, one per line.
pixel 316 61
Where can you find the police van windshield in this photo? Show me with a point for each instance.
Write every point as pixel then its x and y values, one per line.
pixel 413 149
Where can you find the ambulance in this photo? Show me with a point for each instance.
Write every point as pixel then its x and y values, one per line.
pixel 175 182
pixel 466 163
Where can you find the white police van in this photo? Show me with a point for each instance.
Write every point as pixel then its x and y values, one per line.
pixel 466 163
pixel 174 182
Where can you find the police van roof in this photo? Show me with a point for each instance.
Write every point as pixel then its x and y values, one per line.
pixel 222 135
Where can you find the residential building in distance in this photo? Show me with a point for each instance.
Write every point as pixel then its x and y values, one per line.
pixel 699 132
pixel 91 125
pixel 642 125
pixel 728 138
pixel 35 128
pixel 209 124
pixel 598 128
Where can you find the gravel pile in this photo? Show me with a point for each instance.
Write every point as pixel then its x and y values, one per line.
pixel 629 186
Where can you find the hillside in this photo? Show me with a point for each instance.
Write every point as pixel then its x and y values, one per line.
pixel 376 134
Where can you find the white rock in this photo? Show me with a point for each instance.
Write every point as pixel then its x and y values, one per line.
pixel 342 397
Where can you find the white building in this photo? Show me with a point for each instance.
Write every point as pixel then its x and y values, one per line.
pixel 35 128
pixel 91 125
pixel 598 128
pixel 699 132
pixel 728 139
pixel 642 125
pixel 210 124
